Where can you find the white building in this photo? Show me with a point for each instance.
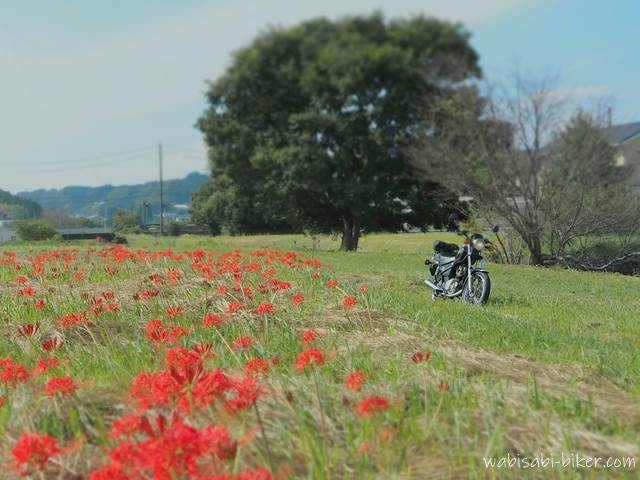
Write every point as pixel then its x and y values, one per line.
pixel 7 234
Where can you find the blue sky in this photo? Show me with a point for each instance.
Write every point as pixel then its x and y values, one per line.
pixel 90 87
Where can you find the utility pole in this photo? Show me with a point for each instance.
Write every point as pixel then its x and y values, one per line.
pixel 161 190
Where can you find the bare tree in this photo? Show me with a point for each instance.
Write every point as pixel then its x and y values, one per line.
pixel 512 150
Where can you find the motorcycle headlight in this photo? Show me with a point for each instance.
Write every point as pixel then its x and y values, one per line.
pixel 478 244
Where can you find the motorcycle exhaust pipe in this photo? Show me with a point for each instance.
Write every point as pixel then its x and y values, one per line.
pixel 433 286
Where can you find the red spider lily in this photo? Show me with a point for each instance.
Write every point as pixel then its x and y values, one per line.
pixel 62 385
pixel 264 309
pixel 34 450
pixel 174 275
pixel 12 373
pixel 149 294
pixel 53 343
pixel 180 357
pixel 1 401
pixel 73 319
pixel 234 307
pixel 112 307
pixel 129 425
pixel 79 276
pixel 310 336
pixel 349 301
pixel 331 284
pixel 310 357
pixel 443 386
pixel 223 289
pixel 203 350
pixel 28 330
pixel 27 292
pixel 372 405
pixel 211 319
pixel 315 276
pixel 40 304
pixel 363 288
pixel 355 380
pixel 154 389
pixel 21 279
pixel 297 299
pixel 158 333
pixel 247 391
pixel 420 357
pixel 210 386
pixel 218 440
pixel 44 365
pixel 278 285
pixel 175 312
pixel 156 278
pixel 243 343
pixel 108 295
pixel 256 366
pixel 173 451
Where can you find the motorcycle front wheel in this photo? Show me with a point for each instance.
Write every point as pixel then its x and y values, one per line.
pixel 478 292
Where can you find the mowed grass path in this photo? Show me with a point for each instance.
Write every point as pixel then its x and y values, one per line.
pixel 549 315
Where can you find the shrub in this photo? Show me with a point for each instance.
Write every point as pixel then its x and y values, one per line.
pixel 174 229
pixel 30 230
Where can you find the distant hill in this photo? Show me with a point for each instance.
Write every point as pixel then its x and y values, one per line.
pixel 106 200
pixel 13 207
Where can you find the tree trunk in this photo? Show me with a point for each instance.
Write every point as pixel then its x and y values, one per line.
pixel 350 234
pixel 535 249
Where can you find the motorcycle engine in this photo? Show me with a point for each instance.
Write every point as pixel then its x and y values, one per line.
pixel 451 286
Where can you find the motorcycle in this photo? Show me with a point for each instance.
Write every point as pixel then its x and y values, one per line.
pixel 458 270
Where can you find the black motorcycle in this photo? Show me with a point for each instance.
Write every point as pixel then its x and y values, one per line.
pixel 458 270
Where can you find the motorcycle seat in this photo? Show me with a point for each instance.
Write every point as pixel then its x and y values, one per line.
pixel 444 248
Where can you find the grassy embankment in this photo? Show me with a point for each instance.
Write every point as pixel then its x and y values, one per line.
pixel 550 364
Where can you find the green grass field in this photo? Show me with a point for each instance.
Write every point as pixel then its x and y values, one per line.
pixel 550 365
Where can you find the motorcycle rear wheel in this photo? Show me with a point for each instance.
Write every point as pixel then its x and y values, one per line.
pixel 478 292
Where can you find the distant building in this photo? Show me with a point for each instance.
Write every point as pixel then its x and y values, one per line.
pixel 626 139
pixel 7 233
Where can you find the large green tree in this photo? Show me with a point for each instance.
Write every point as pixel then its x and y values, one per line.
pixel 307 127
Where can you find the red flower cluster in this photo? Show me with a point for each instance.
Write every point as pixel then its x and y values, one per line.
pixel 420 357
pixel 34 450
pixel 310 357
pixel 61 385
pixel 211 319
pixel 12 373
pixel 355 380
pixel 372 405
pixel 166 450
pixel 264 309
pixel 243 343
pixel 158 333
pixel 349 301
pixel 73 319
pixel 310 336
pixel 175 312
pixel 28 330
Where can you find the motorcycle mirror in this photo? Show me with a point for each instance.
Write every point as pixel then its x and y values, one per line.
pixel 495 229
